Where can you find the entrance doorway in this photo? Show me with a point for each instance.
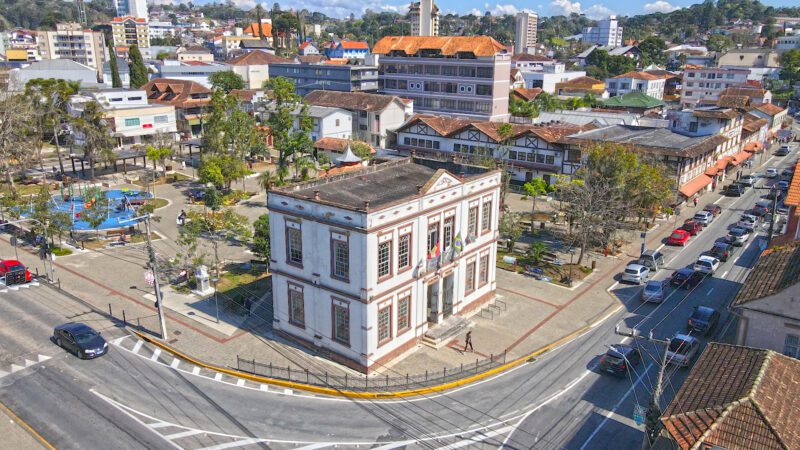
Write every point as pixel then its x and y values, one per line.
pixel 432 304
pixel 447 298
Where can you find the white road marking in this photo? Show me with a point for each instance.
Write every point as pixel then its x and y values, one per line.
pixel 137 347
pixel 183 434
pixel 240 382
pixel 118 340
pixel 16 368
pixel 159 425
pixel 288 391
pixel 480 437
pixel 724 274
pixel 127 413
pixel 264 387
pixel 314 446
pixel 29 363
pixel 614 409
pixel 156 354
pixel 710 291
pixel 195 370
pixel 218 376
pixel 175 362
pixel 4 374
pixel 234 444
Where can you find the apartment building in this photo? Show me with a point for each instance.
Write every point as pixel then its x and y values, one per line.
pixel 467 76
pixel 549 77
pixel 253 67
pixel 705 84
pixel 424 18
pixel 525 28
pixel 72 41
pixel 365 263
pixel 607 32
pixel 189 99
pixel 646 83
pixel 161 30
pixel 127 31
pixel 329 77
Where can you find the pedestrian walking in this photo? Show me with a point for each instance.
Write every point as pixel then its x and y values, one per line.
pixel 183 164
pixel 695 201
pixel 468 342
pixel 248 303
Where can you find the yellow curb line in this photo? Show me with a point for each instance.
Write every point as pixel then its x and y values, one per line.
pixel 27 427
pixel 362 394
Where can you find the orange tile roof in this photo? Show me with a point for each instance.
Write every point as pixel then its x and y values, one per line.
pixel 337 61
pixel 124 18
pixel 639 76
pixel 527 94
pixel 447 126
pixel 581 82
pixel 769 108
pixel 170 91
pixel 253 30
pixel 793 195
pixel 338 145
pixel 447 45
pixel 353 45
pixel 257 58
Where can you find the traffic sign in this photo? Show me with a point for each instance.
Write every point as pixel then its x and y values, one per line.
pixel 149 278
pixel 639 412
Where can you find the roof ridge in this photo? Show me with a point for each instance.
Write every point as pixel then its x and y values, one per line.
pixel 754 400
pixel 715 424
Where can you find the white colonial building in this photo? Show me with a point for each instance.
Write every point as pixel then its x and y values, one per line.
pixel 646 83
pixel 366 262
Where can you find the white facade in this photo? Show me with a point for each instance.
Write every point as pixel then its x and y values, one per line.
pixel 424 18
pixel 72 41
pixel 254 75
pixel 159 29
pixel 788 42
pixel 135 8
pixel 621 85
pixel 526 24
pixel 706 84
pixel 606 33
pixel 376 295
pixel 330 122
pixel 548 78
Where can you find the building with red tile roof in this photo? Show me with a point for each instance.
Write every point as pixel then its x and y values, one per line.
pixel 189 98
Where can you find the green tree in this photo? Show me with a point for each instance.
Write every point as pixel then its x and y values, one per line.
pixel 93 135
pixel 719 43
pixel 790 63
pixel 510 227
pixel 221 170
pixel 547 102
pixel 226 81
pixel 536 251
pixel 212 198
pixel 261 243
pixel 97 212
pixel 116 81
pixel 136 67
pixel 521 108
pixel 652 48
pixel 49 98
pixel 361 149
pixel 159 155
pixel 290 141
pixel 534 188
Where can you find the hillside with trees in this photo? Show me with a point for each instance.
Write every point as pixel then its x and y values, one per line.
pixel 45 14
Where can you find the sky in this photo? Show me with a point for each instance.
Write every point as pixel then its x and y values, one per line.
pixel 594 10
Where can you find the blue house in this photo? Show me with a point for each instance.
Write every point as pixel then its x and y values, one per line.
pixel 347 49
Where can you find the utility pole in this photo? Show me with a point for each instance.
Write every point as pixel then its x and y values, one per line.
pixel 651 424
pixel 772 216
pixel 152 254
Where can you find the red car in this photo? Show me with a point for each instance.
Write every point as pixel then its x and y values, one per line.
pixel 12 265
pixel 678 237
pixel 692 226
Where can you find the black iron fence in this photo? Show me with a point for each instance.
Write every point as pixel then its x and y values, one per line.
pixel 358 382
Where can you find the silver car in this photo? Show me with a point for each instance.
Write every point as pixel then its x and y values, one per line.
pixel 682 350
pixel 654 291
pixel 636 273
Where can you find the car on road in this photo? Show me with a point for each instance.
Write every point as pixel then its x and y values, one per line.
pixel 686 278
pixel 682 350
pixel 787 173
pixel 721 250
pixel 14 268
pixel 636 273
pixel 771 172
pixel 738 236
pixel 747 180
pixel 654 291
pixel 735 190
pixel 619 359
pixel 782 151
pixel 703 320
pixel 713 209
pixel 748 222
pixel 652 259
pixel 678 237
pixel 706 264
pixel 80 339
pixel 704 217
pixel 765 206
pixel 692 226
pixel 782 185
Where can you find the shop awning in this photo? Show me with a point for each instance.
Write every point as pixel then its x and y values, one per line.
pixel 741 157
pixel 718 166
pixel 695 185
pixel 753 147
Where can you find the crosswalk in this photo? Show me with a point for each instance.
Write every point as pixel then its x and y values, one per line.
pixel 16 287
pixel 7 369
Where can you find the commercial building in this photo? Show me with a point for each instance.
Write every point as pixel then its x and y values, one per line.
pixel 550 75
pixel 329 77
pixel 194 53
pixel 646 83
pixel 194 71
pixel 705 84
pixel 424 18
pixel 607 32
pixel 127 31
pixel 72 41
pixel 375 117
pixel 133 8
pixel 466 76
pixel 365 263
pixel 525 28
pixel 189 99
pixel 253 67
pixel 64 69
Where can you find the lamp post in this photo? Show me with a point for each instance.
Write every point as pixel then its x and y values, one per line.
pixel 571 254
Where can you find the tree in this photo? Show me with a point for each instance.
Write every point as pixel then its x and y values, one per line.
pixel 97 212
pixel 521 108
pixel 719 43
pixel 546 102
pixel 652 48
pixel 510 227
pixel 361 149
pixel 160 155
pixel 93 134
pixel 116 81
pixel 790 63
pixel 290 140
pixel 505 131
pixel 49 98
pixel 226 81
pixel 48 221
pixel 534 188
pixel 221 170
pixel 536 251
pixel 261 243
pixel 16 113
pixel 136 67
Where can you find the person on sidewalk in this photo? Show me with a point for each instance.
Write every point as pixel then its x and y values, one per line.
pixel 695 201
pixel 468 342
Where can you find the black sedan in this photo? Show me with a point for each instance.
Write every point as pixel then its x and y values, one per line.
pixel 703 320
pixel 686 278
pixel 721 250
pixel 80 339
pixel 618 359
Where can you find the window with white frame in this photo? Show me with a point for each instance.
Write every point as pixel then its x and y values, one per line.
pixel 483 275
pixel 403 313
pixel 472 221
pixel 341 323
pixel 486 216
pixel 294 243
pixel 470 277
pixel 447 232
pixel 340 256
pixel 384 259
pixel 385 324
pixel 297 311
pixel 404 251
pixel 791 346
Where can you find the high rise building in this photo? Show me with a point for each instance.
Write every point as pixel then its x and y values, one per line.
pixel 128 31
pixel 134 8
pixel 525 32
pixel 606 33
pixel 72 41
pixel 424 18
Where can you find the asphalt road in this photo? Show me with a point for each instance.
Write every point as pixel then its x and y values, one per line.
pixel 137 397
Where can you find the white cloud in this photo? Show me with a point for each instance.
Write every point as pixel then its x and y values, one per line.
pixel 598 12
pixel 565 7
pixel 660 6
pixel 475 12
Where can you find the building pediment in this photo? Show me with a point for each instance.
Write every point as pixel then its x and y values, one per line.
pixel 440 181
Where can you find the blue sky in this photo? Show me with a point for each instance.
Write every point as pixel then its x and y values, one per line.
pixel 595 10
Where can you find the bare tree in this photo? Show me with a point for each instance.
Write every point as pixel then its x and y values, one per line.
pixel 16 115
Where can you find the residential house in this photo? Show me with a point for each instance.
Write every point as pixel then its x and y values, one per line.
pixel 327 121
pixel 754 133
pixel 754 94
pixel 64 69
pixel 375 116
pixel 161 29
pixel 194 71
pixel 253 67
pixel 529 62
pixel 689 54
pixel 607 32
pixel 787 42
pixel 23 45
pixel 646 83
pixel 516 79
pixel 736 398
pixel 775 114
pixel 262 31
pixel 580 87
pixel 629 51
pixel 249 98
pixel 189 98
pixel 549 77
pixel 705 84
pixel 636 102
pixel 250 45
pixel 465 76
pixel 127 31
pixel 307 48
pixel 672 83
pixel 526 95
pixel 72 41
pixel 335 148
pixel 411 243
pixel 533 151
pixel 762 63
pixel 194 53
pixel 347 49
pixel 329 77
pixel 226 47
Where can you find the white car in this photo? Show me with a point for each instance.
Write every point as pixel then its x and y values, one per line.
pixel 636 273
pixel 771 172
pixel 747 180
pixel 704 217
pixel 748 222
pixel 738 236
pixel 706 264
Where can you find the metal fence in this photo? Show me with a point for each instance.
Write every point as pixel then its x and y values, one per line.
pixel 384 383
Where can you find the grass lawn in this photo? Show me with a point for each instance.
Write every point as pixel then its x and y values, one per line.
pixel 158 202
pixel 60 251
pixel 177 176
pixel 23 190
pixel 554 271
pixel 237 283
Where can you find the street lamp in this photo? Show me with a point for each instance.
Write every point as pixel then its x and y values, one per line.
pixel 571 254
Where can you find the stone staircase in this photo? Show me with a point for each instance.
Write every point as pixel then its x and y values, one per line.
pixel 442 333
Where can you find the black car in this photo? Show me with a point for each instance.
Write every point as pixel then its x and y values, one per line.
pixel 735 190
pixel 721 250
pixel 196 195
pixel 703 320
pixel 686 278
pixel 758 212
pixel 619 358
pixel 80 339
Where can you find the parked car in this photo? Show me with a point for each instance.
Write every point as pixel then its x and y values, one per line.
pixel 704 217
pixel 787 173
pixel 14 272
pixel 196 195
pixel 682 350
pixel 735 190
pixel 654 291
pixel 686 278
pixel 758 212
pixel 713 209
pixel 678 237
pixel 738 236
pixel 652 259
pixel 80 339
pixel 782 151
pixel 703 319
pixel 765 206
pixel 747 180
pixel 692 226
pixel 721 250
pixel 619 358
pixel 748 222
pixel 706 264
pixel 771 172
pixel 636 273
pixel 783 185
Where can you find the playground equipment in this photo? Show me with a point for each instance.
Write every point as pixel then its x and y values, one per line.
pixel 120 205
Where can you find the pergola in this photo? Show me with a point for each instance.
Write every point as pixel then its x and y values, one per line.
pixel 122 155
pixel 190 144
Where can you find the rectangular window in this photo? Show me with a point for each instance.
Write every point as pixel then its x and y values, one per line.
pixel 472 222
pixel 433 236
pixel 470 278
pixel 449 226
pixel 297 311
pixel 403 314
pixel 132 122
pixel 512 154
pixel 486 217
pixel 340 255
pixel 294 244
pixel 404 251
pixel 384 259
pixel 484 270
pixel 384 324
pixel 791 346
pixel 160 119
pixel 341 324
